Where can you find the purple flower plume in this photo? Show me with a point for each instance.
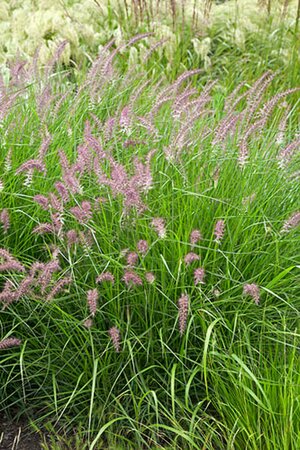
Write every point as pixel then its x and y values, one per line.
pixel 253 291
pixel 4 219
pixel 92 299
pixel 291 223
pixel 114 334
pixel 190 258
pixel 42 201
pixel 82 213
pixel 88 323
pixel 219 231
pixel 183 308
pixel 105 276
pixel 159 226
pixel 150 277
pixel 195 237
pixel 31 165
pixel 9 262
pixel 142 247
pixel 132 259
pixel 132 278
pixel 72 237
pixel 9 342
pixel 58 287
pixel 199 276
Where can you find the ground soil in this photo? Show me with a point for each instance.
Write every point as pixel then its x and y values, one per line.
pixel 17 435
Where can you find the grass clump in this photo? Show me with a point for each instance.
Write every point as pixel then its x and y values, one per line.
pixel 149 258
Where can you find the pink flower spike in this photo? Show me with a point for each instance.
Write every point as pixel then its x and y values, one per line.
pixel 31 165
pixel 183 307
pixel 195 237
pixel 219 231
pixel 42 201
pixel 142 247
pixel 150 277
pixel 132 259
pixel 72 237
pixel 199 276
pixel 159 225
pixel 88 323
pixel 105 276
pixel 4 219
pixel 114 334
pixel 9 262
pixel 291 223
pixel 9 342
pixel 132 278
pixel 92 299
pixel 253 291
pixel 190 258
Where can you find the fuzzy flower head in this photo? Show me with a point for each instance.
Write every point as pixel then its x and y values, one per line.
pixel 150 277
pixel 159 226
pixel 131 278
pixel 92 299
pixel 82 213
pixel 219 231
pixel 5 220
pixel 195 237
pixel 183 309
pixel 9 342
pixel 132 259
pixel 291 223
pixel 199 276
pixel 9 263
pixel 253 291
pixel 115 336
pixel 105 276
pixel 88 323
pixel 142 247
pixel 190 258
pixel 72 237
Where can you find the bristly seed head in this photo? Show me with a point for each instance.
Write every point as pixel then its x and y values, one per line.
pixel 132 278
pixel 5 220
pixel 142 247
pixel 9 342
pixel 190 258
pixel 150 277
pixel 291 223
pixel 253 291
pixel 159 225
pixel 132 259
pixel 195 237
pixel 219 231
pixel 92 299
pixel 199 276
pixel 183 307
pixel 114 334
pixel 105 276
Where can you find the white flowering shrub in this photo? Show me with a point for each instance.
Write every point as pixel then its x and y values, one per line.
pixel 88 24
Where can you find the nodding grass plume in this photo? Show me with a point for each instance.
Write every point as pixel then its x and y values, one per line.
pixel 183 308
pixel 5 220
pixel 190 258
pixel 115 336
pixel 9 342
pixel 253 291
pixel 292 222
pixel 219 231
pixel 9 262
pixel 92 299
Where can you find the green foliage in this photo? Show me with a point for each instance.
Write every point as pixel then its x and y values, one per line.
pixel 232 381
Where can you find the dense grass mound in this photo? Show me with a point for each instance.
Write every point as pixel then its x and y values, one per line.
pixel 150 258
